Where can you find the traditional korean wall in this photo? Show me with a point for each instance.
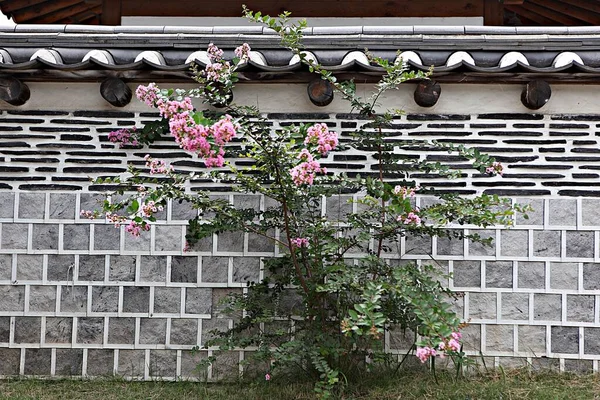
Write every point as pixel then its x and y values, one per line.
pixel 85 299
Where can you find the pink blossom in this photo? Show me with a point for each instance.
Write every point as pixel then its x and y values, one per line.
pixel 300 242
pixel 304 173
pixel 454 345
pixel 242 52
pixel 88 214
pixel 267 377
pixel 115 219
pixel 170 108
pixel 411 218
pixel 157 166
pixel 214 53
pixel 456 335
pixel 405 192
pixel 150 208
pixel 134 228
pixel 423 353
pixel 124 137
pixel 320 136
pixel 305 155
pixel 148 94
pixel 495 169
pixel 224 130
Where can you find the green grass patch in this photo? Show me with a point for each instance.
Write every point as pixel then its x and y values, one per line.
pixel 518 385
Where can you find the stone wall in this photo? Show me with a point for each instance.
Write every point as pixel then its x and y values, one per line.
pixel 79 297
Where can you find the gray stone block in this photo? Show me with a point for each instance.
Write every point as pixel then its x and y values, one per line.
pixel 167 300
pixel 515 306
pixel 338 207
pixel 153 331
pixel 401 339
pixel 591 276
pixel 564 339
pixel 261 244
pixel 226 365
pixel 37 361
pixel 580 308
pixel 42 298
pixel 499 337
pixel 68 362
pixel 163 363
pixel 182 211
pixel 245 269
pixel 106 237
pixel 215 269
pixel 105 299
pixel 450 247
pixel 482 305
pixel 532 339
pixel 100 362
pixel 45 237
pixel 514 243
pixel 563 212
pixel 467 273
pixel 73 299
pixel 579 366
pixel 546 244
pixel 190 365
pixel 252 201
pixel 415 245
pixel 91 268
pixel 90 330
pixel 121 330
pixel 580 244
pixel 59 329
pixel 30 267
pixel 4 329
pixel 184 331
pixel 14 236
pixel 132 363
pixel 13 298
pixel 547 307
pixel 536 217
pixel 61 267
pixel 32 205
pixel 499 274
pixel 122 268
pixel 153 269
pixel 168 238
pixel 137 243
pixel 565 276
pixel 589 212
pixel 211 328
pixel 11 359
pixel 6 267
pixel 76 237
pixel 184 269
pixel 531 275
pixel 198 300
pixel 480 249
pixel 230 242
pixel 62 206
pixel 136 299
pixel 90 201
pixel 592 340
pixel 28 329
pixel 8 205
pixel 205 244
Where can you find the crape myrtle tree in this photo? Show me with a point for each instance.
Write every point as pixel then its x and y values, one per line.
pixel 346 303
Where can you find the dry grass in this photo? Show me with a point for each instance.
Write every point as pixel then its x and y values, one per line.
pixel 517 385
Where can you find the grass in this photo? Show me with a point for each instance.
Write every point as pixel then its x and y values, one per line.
pixel 517 385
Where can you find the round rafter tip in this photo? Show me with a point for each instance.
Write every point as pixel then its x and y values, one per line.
pixel 13 91
pixel 116 92
pixel 320 92
pixel 427 93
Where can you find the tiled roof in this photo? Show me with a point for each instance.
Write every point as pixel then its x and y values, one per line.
pixel 449 49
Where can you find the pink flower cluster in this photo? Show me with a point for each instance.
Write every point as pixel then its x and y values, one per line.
pixel 124 137
pixel 150 208
pixel 300 242
pixel 115 219
pixel 495 169
pixel 305 172
pixel 451 344
pixel 214 53
pixel 135 229
pixel 319 135
pixel 243 52
pixel 172 108
pixel 157 166
pixel 216 71
pixel 88 214
pixel 405 192
pixel 411 218
pixel 148 94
